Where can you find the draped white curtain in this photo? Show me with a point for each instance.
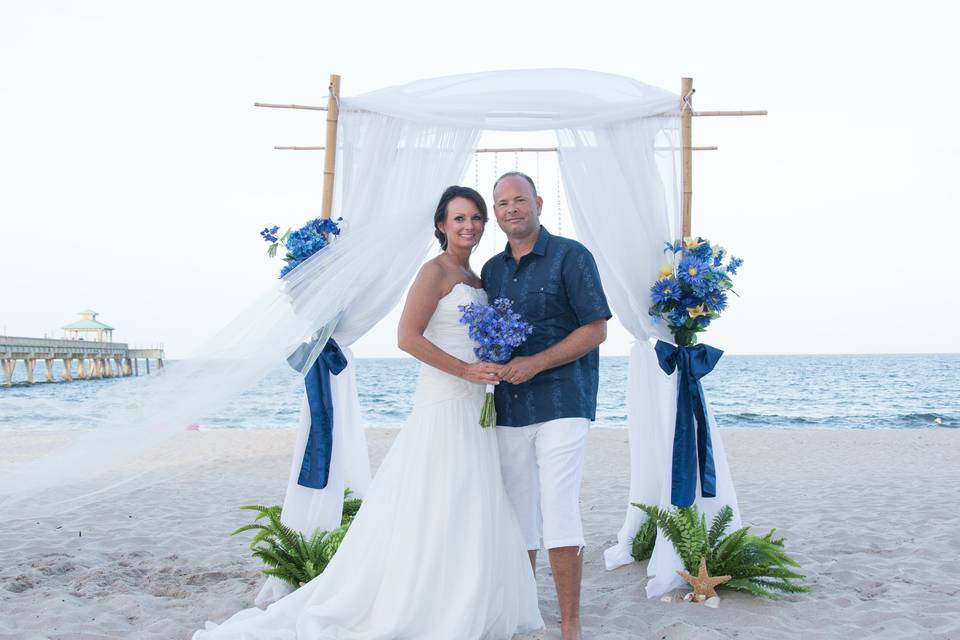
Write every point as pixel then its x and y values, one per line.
pixel 623 188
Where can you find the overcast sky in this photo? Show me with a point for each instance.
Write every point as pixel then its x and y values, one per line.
pixel 135 172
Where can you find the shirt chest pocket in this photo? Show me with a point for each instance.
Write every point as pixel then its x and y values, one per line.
pixel 542 302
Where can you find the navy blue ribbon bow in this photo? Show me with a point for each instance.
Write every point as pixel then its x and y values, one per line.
pixel 692 449
pixel 315 468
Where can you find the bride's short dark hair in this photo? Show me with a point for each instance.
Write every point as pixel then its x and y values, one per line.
pixel 455 191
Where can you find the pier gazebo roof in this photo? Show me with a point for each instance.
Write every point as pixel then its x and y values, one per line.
pixel 88 322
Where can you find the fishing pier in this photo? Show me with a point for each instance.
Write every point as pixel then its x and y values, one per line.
pixel 83 358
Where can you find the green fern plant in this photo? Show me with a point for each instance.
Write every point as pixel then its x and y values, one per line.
pixel 290 555
pixel 757 564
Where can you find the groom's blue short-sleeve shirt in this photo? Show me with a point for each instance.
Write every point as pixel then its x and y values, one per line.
pixel 556 288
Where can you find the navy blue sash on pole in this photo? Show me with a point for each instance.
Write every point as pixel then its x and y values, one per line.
pixel 315 468
pixel 692 449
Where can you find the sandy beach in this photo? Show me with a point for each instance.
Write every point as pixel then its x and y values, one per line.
pixel 871 515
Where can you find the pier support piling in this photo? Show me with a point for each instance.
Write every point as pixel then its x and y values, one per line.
pixel 49 371
pixel 8 366
pixel 30 364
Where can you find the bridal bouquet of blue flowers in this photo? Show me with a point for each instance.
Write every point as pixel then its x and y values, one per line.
pixel 692 292
pixel 497 330
pixel 302 243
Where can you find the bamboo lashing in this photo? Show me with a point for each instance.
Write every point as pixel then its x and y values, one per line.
pixel 330 158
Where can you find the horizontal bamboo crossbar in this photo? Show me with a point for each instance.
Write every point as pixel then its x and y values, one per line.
pixel 755 112
pixel 502 149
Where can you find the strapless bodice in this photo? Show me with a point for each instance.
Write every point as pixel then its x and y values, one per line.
pixel 447 332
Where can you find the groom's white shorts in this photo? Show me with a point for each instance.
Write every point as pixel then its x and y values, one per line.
pixel 542 466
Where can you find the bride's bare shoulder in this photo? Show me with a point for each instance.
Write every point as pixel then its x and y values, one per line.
pixel 434 277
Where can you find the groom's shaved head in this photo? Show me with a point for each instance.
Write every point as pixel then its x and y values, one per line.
pixel 516 174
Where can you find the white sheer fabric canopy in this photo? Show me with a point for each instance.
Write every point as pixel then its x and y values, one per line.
pixel 398 148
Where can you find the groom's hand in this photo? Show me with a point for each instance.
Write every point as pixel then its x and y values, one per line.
pixel 520 369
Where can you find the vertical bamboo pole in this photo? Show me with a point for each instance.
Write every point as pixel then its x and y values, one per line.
pixel 333 111
pixel 686 133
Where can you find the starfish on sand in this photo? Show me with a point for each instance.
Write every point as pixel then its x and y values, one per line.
pixel 702 583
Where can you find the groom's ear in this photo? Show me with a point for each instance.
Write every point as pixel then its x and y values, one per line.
pixel 539 205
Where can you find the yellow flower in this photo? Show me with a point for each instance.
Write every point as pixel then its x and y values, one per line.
pixel 691 243
pixel 697 311
pixel 665 271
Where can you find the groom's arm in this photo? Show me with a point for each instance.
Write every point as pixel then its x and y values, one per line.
pixel 580 342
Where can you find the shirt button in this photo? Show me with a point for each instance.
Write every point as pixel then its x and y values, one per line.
pixel 515 396
pixel 514 279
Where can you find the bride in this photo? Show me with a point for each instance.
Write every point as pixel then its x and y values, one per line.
pixel 435 552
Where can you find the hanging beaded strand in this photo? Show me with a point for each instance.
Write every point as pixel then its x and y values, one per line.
pixel 559 219
pixel 496 162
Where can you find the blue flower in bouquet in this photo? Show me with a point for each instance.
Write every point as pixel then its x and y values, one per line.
pixel 305 242
pixel 698 247
pixel 691 271
pixel 290 266
pixel 327 226
pixel 302 243
pixel 675 247
pixel 665 290
pixel 678 317
pixel 269 234
pixel 716 300
pixel 733 265
pixel 699 296
pixel 497 330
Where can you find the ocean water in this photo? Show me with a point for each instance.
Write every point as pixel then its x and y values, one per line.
pixel 829 391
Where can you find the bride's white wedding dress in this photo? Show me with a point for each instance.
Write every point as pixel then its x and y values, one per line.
pixel 435 552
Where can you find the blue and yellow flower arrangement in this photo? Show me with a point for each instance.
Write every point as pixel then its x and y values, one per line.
pixel 691 291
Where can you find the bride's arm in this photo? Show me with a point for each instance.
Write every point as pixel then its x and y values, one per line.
pixel 421 303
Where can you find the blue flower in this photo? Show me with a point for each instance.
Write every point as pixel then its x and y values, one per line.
pixel 702 281
pixel 305 242
pixel 664 290
pixel 270 234
pixel 495 328
pixel 691 270
pixel 703 250
pixel 290 266
pixel 716 300
pixel 678 317
pixel 675 247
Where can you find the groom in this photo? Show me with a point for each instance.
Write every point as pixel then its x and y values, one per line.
pixel 548 393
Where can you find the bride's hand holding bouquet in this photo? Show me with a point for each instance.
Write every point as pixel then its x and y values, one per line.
pixel 498 331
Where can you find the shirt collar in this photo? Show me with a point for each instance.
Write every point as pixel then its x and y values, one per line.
pixel 540 248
